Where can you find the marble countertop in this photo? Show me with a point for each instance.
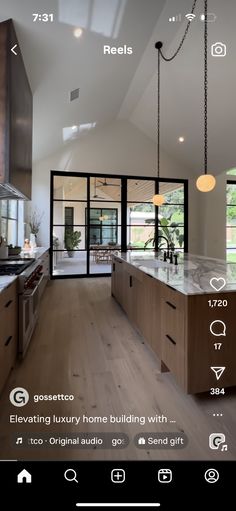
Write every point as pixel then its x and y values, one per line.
pixel 192 276
pixel 6 280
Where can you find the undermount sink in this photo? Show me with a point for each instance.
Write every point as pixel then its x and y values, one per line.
pixel 152 263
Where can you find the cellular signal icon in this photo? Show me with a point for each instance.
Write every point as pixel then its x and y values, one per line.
pixel 190 17
pixel 175 18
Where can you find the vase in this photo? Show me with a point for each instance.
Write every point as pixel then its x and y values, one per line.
pixel 33 243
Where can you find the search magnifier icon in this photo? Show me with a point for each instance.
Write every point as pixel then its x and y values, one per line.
pixel 70 475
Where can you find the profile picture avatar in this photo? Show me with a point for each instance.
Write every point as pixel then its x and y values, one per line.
pixel 19 396
pixel 218 50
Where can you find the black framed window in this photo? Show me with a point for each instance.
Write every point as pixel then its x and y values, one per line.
pixel 231 221
pixel 103 226
pixel 11 221
pixel 94 216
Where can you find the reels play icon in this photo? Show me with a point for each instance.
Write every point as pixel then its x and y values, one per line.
pixel 164 475
pixel 19 397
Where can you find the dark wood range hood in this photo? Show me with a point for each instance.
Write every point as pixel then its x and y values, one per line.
pixel 15 119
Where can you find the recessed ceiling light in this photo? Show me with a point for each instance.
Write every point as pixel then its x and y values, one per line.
pixel 78 32
pixel 181 139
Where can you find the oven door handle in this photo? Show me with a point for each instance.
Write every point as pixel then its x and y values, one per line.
pixel 27 296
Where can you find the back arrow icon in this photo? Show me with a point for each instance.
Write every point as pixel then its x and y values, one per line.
pixel 13 49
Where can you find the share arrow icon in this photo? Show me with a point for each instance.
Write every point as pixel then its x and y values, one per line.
pixel 218 371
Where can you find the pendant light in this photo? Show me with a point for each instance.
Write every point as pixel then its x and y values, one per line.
pixel 206 182
pixel 158 199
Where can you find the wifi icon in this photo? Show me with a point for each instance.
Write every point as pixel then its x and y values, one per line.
pixel 190 17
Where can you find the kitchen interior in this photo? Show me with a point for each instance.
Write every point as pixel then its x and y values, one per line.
pixel 114 244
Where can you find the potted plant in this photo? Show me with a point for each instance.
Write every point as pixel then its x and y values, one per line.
pixel 169 230
pixel 34 223
pixel 72 241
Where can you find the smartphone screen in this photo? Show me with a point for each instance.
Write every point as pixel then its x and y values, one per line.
pixel 117 252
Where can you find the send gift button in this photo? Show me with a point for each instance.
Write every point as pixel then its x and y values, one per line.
pixel 161 440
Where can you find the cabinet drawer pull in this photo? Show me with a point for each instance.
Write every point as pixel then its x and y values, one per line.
pixel 170 339
pixel 171 305
pixel 8 303
pixel 130 281
pixel 8 340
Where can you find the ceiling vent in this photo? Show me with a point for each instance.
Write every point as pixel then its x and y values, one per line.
pixel 74 94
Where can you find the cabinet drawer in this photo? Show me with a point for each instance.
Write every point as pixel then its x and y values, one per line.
pixel 176 299
pixel 8 332
pixel 7 296
pixel 134 272
pixel 173 352
pixel 8 321
pixel 172 320
pixel 174 358
pixel 7 358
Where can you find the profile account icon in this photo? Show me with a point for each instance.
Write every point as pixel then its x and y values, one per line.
pixel 212 475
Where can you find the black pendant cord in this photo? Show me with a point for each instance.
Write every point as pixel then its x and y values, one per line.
pixel 158 112
pixel 205 89
pixel 158 46
pixel 168 59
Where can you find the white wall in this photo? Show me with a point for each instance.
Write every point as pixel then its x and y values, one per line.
pixel 214 213
pixel 117 148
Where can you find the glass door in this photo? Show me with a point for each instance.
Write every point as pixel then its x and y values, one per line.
pixel 69 229
pixel 104 223
pixel 95 217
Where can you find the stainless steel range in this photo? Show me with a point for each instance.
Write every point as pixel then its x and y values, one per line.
pixel 14 266
pixel 30 284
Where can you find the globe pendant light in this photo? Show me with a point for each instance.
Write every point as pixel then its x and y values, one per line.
pixel 206 182
pixel 158 199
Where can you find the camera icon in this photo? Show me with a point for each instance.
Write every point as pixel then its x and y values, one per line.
pixel 218 50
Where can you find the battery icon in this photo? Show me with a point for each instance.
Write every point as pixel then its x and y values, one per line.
pixel 210 17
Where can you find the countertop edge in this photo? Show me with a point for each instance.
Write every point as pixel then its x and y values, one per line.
pixel 190 293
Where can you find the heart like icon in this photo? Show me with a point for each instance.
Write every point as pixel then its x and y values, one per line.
pixel 218 283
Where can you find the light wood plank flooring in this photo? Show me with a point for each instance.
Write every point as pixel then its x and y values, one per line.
pixel 84 345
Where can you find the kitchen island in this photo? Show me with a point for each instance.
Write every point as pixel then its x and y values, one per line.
pixel 181 312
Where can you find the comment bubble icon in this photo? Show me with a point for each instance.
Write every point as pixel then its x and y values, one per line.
pixel 218 328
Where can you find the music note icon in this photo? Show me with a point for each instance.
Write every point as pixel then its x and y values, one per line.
pixel 19 440
pixel 224 447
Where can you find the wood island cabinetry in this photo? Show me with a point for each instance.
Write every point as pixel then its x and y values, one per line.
pixel 140 297
pixel 177 327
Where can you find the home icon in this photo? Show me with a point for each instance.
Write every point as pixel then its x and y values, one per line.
pixel 24 477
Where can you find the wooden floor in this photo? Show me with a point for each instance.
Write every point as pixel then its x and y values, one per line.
pixel 84 345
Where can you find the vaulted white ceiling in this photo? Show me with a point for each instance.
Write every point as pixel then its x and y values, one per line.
pixel 57 62
pixel 122 86
pixel 182 108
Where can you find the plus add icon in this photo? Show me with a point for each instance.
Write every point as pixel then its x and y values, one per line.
pixel 118 475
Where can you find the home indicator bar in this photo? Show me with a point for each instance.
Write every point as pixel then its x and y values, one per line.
pixel 118 504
